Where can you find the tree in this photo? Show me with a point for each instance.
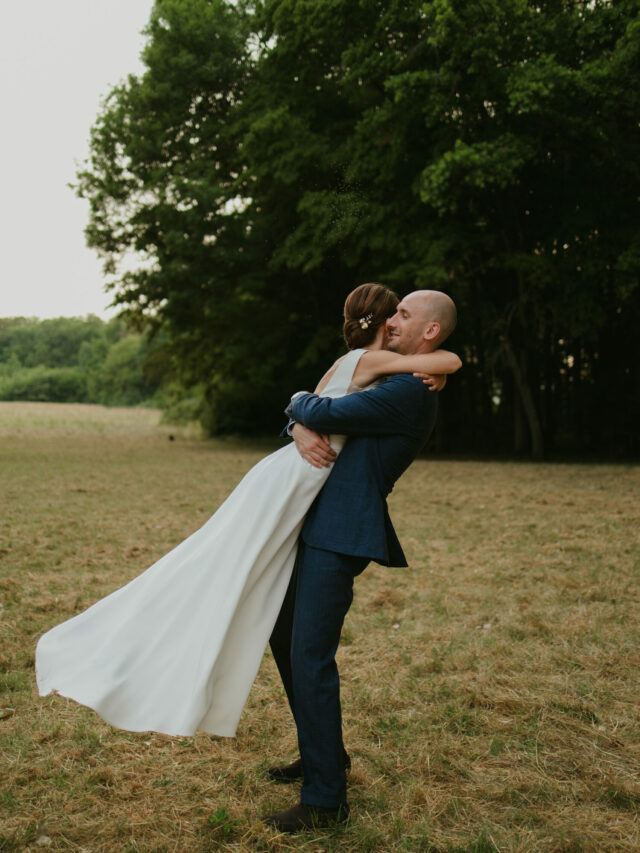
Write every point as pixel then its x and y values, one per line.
pixel 528 108
pixel 120 380
pixel 275 154
pixel 52 343
pixel 79 360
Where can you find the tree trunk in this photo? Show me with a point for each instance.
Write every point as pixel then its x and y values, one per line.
pixel 519 425
pixel 526 398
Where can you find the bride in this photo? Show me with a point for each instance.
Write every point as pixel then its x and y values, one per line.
pixel 177 649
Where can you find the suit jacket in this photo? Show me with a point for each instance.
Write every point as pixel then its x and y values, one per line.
pixel 389 424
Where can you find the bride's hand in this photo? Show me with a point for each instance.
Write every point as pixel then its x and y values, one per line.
pixel 433 381
pixel 313 447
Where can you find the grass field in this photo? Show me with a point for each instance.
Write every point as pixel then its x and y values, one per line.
pixel 490 691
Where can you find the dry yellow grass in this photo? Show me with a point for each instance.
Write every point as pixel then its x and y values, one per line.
pixel 490 691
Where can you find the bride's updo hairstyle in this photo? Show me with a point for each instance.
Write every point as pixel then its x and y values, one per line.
pixel 365 310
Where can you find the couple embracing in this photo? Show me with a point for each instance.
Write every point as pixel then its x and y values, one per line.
pixel 177 649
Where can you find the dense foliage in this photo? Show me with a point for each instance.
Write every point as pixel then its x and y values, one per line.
pixel 278 152
pixel 70 359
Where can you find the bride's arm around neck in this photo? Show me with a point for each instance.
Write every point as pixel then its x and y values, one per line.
pixel 377 363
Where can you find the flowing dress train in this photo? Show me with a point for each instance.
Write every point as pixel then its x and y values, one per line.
pixel 177 649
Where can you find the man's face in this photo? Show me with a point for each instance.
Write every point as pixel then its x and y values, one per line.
pixel 405 330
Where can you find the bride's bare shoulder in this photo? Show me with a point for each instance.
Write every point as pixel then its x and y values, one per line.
pixel 325 379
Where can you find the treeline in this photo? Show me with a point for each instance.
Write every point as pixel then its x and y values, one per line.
pixel 274 154
pixel 83 360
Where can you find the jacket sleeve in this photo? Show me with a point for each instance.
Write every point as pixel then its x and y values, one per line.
pixel 286 431
pixel 393 407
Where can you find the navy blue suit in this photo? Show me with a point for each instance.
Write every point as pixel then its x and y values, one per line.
pixel 347 526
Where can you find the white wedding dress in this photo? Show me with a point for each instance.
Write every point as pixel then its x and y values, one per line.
pixel 177 649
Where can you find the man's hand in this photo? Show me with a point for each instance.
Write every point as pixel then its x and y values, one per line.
pixel 313 447
pixel 434 382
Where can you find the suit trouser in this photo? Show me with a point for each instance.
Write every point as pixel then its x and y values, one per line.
pixel 304 643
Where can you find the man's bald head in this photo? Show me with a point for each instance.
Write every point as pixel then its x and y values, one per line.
pixel 423 320
pixel 439 308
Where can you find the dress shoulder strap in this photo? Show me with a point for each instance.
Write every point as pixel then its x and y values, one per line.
pixel 339 383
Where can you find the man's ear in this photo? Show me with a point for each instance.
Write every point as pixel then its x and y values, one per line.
pixel 431 332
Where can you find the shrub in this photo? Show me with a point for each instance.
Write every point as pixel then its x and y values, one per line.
pixel 49 384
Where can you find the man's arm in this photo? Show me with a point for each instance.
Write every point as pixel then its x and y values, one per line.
pixel 312 446
pixel 389 408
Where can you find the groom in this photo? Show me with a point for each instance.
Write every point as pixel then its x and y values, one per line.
pixel 347 526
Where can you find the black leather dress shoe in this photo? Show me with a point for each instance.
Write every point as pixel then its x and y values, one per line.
pixel 288 773
pixel 303 817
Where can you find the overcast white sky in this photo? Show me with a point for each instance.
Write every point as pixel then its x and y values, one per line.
pixel 58 58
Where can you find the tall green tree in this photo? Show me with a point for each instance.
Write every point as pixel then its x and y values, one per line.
pixel 277 153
